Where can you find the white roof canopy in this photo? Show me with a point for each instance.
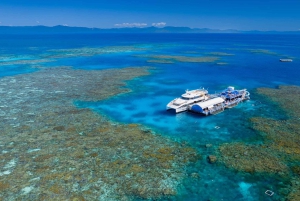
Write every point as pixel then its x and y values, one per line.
pixel 210 102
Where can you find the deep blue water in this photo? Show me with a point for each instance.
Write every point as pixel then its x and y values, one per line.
pixel 254 63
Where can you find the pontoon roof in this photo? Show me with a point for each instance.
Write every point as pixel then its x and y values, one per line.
pixel 210 102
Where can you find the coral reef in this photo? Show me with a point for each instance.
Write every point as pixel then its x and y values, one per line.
pixel 294 194
pixel 296 170
pixel 25 61
pixel 172 58
pixel 160 61
pixel 280 150
pixel 222 63
pixel 286 96
pixel 267 52
pixel 54 54
pixel 90 51
pixel 220 54
pixel 212 159
pixel 262 51
pixel 55 151
pixel 3 186
pixel 251 158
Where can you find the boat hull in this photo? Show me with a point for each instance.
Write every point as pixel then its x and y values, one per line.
pixel 178 110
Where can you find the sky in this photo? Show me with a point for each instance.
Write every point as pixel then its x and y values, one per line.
pixel 264 15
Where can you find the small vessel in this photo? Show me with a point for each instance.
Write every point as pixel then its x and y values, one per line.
pixel 182 103
pixel 285 60
pixel 226 99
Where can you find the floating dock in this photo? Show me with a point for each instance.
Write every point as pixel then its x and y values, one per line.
pixel 227 99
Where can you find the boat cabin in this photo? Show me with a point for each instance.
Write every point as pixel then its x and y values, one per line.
pixel 194 94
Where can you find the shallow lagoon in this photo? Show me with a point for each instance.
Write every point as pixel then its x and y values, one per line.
pixel 252 61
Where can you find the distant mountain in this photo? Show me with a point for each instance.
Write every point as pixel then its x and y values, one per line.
pixel 168 29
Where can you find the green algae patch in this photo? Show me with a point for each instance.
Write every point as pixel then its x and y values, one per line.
pixel 56 151
pixel 172 58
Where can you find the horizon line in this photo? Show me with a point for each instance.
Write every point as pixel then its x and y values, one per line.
pixel 145 27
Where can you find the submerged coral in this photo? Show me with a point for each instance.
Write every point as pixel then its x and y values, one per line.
pixel 267 52
pixel 24 61
pixel 160 61
pixel 286 96
pixel 251 158
pixel 280 150
pixel 90 51
pixel 172 58
pixel 55 151
pixel 222 63
pixel 262 51
pixel 36 60
pixel 220 54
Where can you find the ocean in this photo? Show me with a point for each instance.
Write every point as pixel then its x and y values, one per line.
pixel 175 63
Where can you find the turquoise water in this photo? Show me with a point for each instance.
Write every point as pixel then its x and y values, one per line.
pixel 243 69
pixel 244 61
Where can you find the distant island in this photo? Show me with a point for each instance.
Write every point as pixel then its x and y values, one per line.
pixel 168 29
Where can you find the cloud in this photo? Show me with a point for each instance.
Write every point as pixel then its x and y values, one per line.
pixel 159 24
pixel 131 25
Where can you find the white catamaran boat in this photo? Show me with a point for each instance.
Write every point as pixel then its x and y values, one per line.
pixel 188 98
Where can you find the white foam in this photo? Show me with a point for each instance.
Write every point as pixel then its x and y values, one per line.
pixel 35 179
pixel 27 190
pixel 10 164
pixel 8 167
pixel 33 150
pixel 5 173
